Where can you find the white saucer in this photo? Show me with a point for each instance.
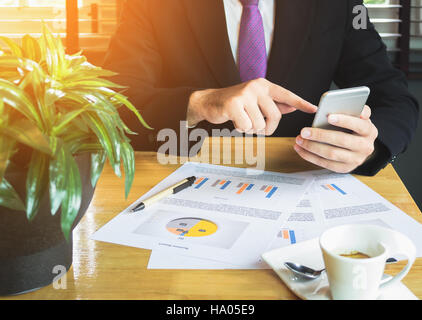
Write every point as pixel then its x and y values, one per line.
pixel 309 254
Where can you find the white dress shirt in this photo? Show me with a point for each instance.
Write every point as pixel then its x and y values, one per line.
pixel 233 10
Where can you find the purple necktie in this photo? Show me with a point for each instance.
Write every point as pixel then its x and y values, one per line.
pixel 252 53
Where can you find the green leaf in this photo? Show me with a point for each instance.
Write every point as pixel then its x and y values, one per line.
pixel 60 105
pixel 97 166
pixel 66 119
pixel 115 140
pixel 14 48
pixel 88 148
pixel 55 144
pixel 128 158
pixel 6 152
pixel 30 48
pixel 6 149
pixel 6 144
pixel 36 183
pixel 95 124
pixel 39 86
pixel 108 107
pixel 73 197
pixel 57 172
pixel 9 197
pixel 26 132
pixel 12 76
pixel 14 63
pixel 80 125
pixel 53 52
pixel 18 99
pixel 125 102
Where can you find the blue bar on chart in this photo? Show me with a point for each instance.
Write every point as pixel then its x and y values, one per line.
pixel 225 185
pixel 288 235
pixel 338 189
pixel 269 195
pixel 249 187
pixel 292 237
pixel 333 187
pixel 201 182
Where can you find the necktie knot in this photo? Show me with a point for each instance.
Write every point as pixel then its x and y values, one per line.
pixel 247 3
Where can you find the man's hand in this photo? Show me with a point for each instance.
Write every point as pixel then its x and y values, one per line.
pixel 338 151
pixel 254 107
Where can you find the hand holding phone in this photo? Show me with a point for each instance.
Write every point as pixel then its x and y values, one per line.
pixel 343 136
pixel 344 101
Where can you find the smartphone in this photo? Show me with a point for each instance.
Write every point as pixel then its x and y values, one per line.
pixel 344 101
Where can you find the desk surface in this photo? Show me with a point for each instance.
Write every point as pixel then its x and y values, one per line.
pixel 108 271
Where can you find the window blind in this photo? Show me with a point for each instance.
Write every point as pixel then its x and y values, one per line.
pixel 416 38
pixel 95 20
pixel 399 23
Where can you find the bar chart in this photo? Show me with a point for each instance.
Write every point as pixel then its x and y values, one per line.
pixel 333 187
pixel 288 236
pixel 269 190
pixel 238 187
pixel 244 187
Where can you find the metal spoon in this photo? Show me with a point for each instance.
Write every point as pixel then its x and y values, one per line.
pixel 305 272
pixel 302 271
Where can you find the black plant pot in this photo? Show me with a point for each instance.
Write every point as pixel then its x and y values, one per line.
pixel 31 253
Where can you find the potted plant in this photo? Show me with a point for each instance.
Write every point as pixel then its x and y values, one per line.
pixel 59 123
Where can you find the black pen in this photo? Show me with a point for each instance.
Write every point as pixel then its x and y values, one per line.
pixel 186 183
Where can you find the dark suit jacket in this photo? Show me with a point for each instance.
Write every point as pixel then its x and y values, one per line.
pixel 166 49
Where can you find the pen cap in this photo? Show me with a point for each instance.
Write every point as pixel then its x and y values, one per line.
pixel 185 185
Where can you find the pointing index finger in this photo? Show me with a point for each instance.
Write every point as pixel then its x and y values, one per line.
pixel 284 96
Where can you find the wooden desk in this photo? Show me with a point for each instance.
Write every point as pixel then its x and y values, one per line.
pixel 108 271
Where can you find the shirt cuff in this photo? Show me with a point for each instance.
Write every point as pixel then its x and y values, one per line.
pixel 376 162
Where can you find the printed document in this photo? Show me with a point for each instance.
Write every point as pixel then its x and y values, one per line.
pixel 229 215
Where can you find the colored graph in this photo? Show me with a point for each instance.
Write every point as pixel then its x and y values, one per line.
pixel 200 182
pixel 244 186
pixel 222 184
pixel 269 190
pixel 238 187
pixel 288 235
pixel 191 227
pixel 333 187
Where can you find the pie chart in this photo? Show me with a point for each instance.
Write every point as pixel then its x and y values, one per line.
pixel 192 227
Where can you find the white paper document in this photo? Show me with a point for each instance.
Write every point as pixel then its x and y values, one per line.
pixel 345 199
pixel 333 199
pixel 229 215
pixel 336 199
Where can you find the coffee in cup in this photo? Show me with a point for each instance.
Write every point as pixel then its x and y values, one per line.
pixel 355 256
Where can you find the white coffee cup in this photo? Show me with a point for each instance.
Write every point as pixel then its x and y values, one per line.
pixel 360 279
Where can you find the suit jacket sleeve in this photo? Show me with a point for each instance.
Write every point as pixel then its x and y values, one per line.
pixel 134 55
pixel 395 111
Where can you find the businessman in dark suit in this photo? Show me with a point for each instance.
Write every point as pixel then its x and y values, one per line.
pixel 248 64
